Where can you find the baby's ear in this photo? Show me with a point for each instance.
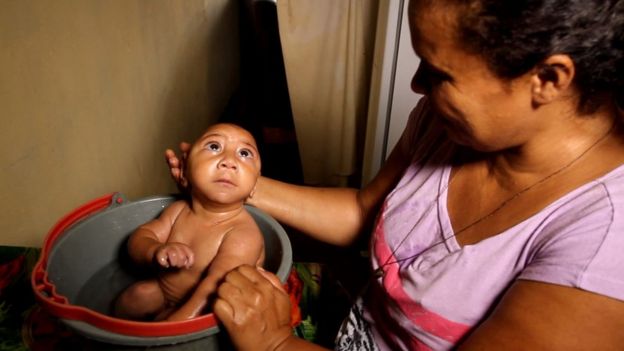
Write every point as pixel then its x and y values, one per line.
pixel 184 182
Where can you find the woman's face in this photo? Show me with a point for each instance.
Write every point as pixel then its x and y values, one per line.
pixel 477 108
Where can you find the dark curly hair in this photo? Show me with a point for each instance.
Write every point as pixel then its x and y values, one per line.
pixel 514 36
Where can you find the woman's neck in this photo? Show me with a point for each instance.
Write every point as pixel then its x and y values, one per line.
pixel 567 142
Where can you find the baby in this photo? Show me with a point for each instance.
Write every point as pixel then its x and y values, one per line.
pixel 198 241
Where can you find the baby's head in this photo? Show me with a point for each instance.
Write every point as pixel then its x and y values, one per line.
pixel 223 165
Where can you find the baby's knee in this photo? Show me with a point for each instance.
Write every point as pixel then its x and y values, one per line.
pixel 140 301
pixel 144 290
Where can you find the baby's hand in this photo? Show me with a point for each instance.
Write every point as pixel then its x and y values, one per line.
pixel 176 255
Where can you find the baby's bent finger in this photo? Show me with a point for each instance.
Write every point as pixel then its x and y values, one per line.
pixel 172 257
pixel 189 261
pixel 161 259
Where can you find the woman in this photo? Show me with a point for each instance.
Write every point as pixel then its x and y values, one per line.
pixel 500 213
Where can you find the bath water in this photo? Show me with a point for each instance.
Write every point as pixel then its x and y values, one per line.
pixel 101 290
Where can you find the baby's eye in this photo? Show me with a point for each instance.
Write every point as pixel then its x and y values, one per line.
pixel 246 153
pixel 213 146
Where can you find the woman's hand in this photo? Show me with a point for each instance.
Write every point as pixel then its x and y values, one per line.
pixel 254 308
pixel 176 165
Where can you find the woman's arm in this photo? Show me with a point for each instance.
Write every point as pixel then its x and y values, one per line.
pixel 542 316
pixel 331 215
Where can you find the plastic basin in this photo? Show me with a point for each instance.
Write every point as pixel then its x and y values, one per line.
pixel 83 266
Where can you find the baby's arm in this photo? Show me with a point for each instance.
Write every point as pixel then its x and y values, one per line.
pixel 148 244
pixel 240 246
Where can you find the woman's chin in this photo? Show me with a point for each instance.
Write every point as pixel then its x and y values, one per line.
pixel 456 135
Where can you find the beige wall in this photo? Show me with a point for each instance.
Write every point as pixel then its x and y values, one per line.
pixel 93 91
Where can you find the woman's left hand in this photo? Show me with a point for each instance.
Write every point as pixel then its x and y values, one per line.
pixel 177 165
pixel 254 308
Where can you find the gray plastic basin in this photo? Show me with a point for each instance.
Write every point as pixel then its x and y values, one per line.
pixel 88 265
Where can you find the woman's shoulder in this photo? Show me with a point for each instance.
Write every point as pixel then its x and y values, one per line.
pixel 596 204
pixel 613 184
pixel 603 193
pixel 602 197
pixel 581 237
pixel 424 138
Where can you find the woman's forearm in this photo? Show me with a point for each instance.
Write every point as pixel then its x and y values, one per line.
pixel 331 215
pixel 294 343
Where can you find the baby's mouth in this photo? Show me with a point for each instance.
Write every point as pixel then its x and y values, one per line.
pixel 225 181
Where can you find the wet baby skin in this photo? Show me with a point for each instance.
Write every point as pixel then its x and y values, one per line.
pixel 195 242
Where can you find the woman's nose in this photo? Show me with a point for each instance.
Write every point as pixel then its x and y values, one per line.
pixel 419 82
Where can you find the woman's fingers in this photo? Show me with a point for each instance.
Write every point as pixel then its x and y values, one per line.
pixel 253 308
pixel 176 165
pixel 272 278
pixel 246 274
pixel 185 147
pixel 224 312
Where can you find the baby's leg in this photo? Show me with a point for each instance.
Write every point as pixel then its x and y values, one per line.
pixel 143 300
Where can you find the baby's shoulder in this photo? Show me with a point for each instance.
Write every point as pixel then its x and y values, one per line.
pixel 247 222
pixel 244 225
pixel 177 206
pixel 172 212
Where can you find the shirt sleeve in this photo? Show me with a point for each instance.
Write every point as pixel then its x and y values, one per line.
pixel 423 136
pixel 414 124
pixel 582 245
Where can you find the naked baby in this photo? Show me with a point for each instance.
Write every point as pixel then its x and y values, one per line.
pixel 196 242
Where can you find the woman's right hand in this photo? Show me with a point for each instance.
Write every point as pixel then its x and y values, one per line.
pixel 254 308
pixel 176 165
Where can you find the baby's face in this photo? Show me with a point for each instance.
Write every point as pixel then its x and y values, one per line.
pixel 223 165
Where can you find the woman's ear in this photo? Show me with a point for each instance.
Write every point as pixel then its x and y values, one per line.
pixel 551 79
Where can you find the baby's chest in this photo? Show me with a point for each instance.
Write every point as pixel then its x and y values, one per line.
pixel 203 240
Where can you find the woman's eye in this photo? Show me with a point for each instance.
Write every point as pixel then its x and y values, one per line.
pixel 214 146
pixel 434 76
pixel 246 153
pixel 438 77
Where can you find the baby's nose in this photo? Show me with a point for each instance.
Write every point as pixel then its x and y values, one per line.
pixel 227 162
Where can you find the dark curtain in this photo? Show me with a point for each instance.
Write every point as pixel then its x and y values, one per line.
pixel 261 103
